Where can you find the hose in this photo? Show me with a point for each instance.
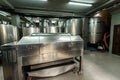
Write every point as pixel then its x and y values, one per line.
pixel 106 36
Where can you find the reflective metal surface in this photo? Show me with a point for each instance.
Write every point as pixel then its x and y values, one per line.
pixel 29 30
pixel 47 72
pixel 75 26
pixel 67 26
pixel 61 29
pixel 53 29
pixel 50 34
pixel 43 49
pixel 96 30
pixel 8 33
pixel 44 30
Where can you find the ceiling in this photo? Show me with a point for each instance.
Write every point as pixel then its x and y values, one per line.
pixel 55 7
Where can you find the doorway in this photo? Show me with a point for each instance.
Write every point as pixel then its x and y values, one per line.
pixel 116 40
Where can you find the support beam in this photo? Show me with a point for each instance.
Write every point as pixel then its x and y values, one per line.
pixel 110 2
pixel 8 4
pixel 48 13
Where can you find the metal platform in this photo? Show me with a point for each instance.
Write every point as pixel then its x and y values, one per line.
pixel 39 50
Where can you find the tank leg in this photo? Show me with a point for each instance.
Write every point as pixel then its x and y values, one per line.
pixel 79 65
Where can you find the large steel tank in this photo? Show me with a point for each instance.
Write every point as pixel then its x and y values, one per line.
pixel 96 30
pixel 16 34
pixel 61 29
pixel 53 25
pixel 75 26
pixel 29 30
pixel 8 33
pixel 67 26
pixel 85 24
pixel 106 17
pixel 52 29
pixel 61 25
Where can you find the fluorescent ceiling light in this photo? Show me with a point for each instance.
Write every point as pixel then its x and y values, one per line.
pixel 40 0
pixel 4 13
pixel 81 4
pixel 84 1
pixel 43 0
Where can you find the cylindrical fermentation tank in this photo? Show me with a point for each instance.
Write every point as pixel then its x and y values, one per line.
pixel 67 26
pixel 29 30
pixel 56 25
pixel 61 29
pixel 52 29
pixel 96 30
pixel 61 25
pixel 8 33
pixel 99 24
pixel 75 26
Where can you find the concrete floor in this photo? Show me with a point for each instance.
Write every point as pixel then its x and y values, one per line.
pixel 101 66
pixel 96 66
pixel 1 73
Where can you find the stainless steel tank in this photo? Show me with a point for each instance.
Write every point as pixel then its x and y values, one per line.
pixel 8 33
pixel 67 26
pixel 61 23
pixel 61 26
pixel 15 32
pixel 85 36
pixel 75 26
pixel 29 30
pixel 61 29
pixel 52 29
pixel 96 30
pixel 44 30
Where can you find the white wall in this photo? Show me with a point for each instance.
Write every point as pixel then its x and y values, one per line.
pixel 114 21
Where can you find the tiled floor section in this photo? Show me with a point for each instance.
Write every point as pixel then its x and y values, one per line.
pixel 96 66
